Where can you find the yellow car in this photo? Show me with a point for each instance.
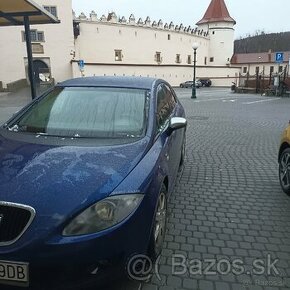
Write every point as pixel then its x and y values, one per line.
pixel 284 161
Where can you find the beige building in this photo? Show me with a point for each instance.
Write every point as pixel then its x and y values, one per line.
pixel 109 45
pixel 264 62
pixel 52 45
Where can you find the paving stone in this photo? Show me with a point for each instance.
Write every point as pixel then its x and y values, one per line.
pixel 174 281
pixel 227 202
pixel 149 287
pixel 222 286
pixel 205 285
pixel 189 284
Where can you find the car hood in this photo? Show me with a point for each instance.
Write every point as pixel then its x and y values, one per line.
pixel 58 180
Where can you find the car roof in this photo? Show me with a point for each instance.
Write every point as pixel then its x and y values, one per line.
pixel 111 81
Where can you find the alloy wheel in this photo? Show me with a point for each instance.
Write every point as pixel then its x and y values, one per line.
pixel 285 170
pixel 160 221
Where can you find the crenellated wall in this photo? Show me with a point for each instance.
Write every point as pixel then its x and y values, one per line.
pixel 112 18
pixel 139 42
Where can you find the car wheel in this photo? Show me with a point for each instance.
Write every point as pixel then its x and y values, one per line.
pixel 159 225
pixel 284 170
pixel 181 86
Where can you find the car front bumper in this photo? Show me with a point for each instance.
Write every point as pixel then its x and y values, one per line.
pixel 75 262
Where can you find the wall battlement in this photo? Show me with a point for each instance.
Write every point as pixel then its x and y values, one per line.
pixel 147 23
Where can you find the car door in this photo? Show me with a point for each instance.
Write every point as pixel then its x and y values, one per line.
pixel 166 106
pixel 177 136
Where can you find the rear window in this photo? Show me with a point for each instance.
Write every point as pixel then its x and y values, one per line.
pixel 88 113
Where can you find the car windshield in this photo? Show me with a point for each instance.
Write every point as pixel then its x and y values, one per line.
pixel 87 112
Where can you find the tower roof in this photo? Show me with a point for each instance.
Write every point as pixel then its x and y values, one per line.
pixel 217 11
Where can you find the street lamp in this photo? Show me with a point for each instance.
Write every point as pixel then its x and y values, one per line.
pixel 194 47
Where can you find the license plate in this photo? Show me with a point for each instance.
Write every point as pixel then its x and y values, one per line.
pixel 14 272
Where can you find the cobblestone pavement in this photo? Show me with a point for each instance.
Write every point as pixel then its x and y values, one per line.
pixel 227 203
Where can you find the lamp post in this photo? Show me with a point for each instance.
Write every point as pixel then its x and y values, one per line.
pixel 194 47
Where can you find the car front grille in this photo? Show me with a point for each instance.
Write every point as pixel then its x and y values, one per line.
pixel 14 220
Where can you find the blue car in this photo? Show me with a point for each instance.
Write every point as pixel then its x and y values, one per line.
pixel 85 174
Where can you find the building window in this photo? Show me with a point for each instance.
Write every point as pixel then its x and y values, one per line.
pixel 189 61
pixel 280 68
pixel 168 36
pixel 213 32
pixel 178 59
pixel 271 69
pixel 211 59
pixel 205 61
pixel 118 55
pixel 51 9
pixel 257 69
pixel 36 36
pixel 158 57
pixel 245 69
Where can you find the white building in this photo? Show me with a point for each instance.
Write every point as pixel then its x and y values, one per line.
pixel 261 63
pixel 52 45
pixel 113 46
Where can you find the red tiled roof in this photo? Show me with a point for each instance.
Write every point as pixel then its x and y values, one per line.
pixel 264 57
pixel 216 12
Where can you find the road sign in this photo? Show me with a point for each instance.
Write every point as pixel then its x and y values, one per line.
pixel 279 57
pixel 81 64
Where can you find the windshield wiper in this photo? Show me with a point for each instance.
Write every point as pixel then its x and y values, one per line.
pixel 15 128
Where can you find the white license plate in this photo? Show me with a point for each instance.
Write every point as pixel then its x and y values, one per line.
pixel 14 272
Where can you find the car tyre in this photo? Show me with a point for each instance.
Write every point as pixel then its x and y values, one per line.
pixel 159 225
pixel 284 171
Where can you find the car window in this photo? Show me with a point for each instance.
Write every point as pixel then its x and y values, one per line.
pixel 87 112
pixel 165 105
pixel 173 100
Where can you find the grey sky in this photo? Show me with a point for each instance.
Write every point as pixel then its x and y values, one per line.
pixel 251 15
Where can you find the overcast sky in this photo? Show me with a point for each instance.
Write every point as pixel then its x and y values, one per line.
pixel 251 15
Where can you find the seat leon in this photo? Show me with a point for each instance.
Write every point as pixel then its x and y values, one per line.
pixel 86 170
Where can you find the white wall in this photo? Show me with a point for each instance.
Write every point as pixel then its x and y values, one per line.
pixel 99 40
pixel 223 76
pixel 221 46
pixel 11 54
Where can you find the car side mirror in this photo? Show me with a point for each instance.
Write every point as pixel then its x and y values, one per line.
pixel 177 123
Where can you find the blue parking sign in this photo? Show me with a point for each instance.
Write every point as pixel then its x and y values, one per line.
pixel 81 64
pixel 279 57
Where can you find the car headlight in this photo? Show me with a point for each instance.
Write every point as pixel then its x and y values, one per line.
pixel 103 214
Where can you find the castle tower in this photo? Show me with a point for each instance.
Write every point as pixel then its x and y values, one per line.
pixel 220 25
